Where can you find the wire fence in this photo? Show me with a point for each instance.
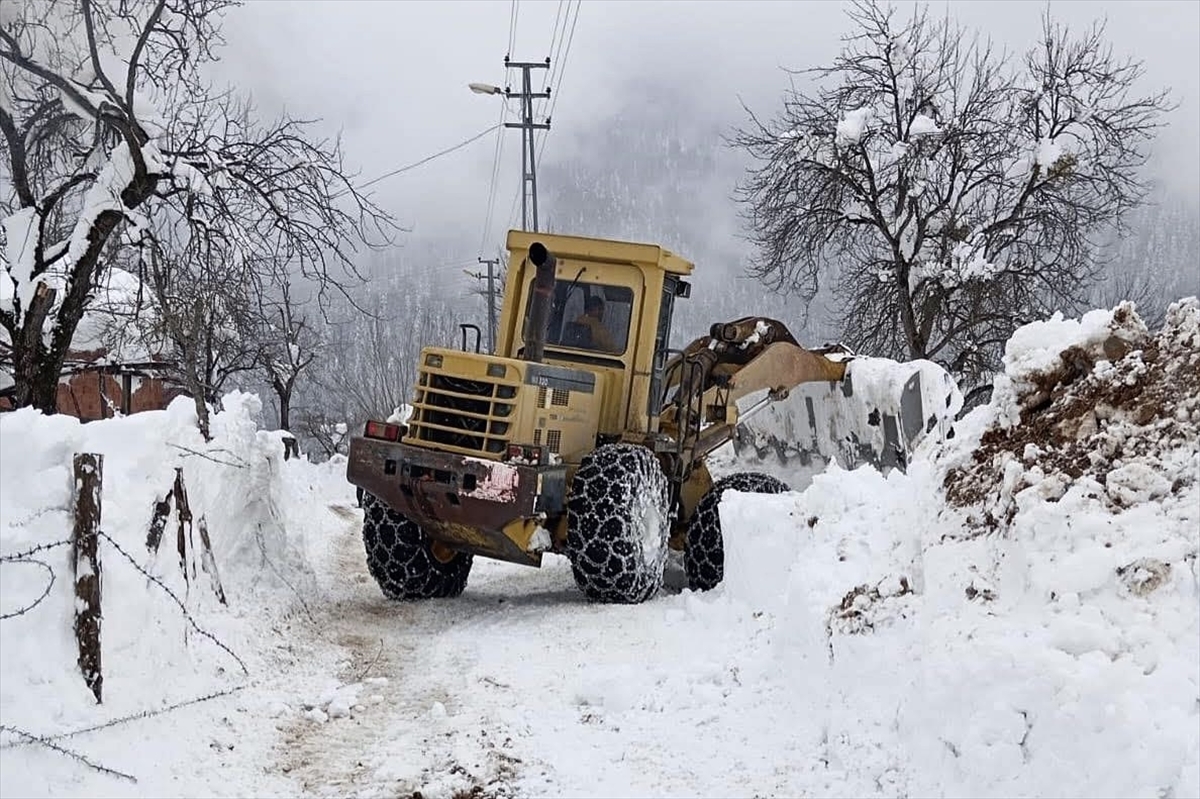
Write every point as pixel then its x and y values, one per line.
pixel 29 557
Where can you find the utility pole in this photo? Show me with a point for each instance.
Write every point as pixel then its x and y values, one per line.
pixel 491 301
pixel 528 160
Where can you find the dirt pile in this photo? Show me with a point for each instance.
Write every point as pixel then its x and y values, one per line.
pixel 1121 410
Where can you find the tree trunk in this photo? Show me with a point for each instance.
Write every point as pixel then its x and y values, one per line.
pixel 37 367
pixel 191 384
pixel 37 383
pixel 908 316
pixel 285 409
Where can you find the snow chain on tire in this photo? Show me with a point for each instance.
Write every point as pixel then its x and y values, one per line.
pixel 704 547
pixel 400 559
pixel 617 525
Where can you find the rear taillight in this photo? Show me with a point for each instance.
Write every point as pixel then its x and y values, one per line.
pixel 382 430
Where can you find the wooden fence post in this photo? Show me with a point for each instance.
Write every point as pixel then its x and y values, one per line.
pixel 184 536
pixel 89 478
pixel 208 561
pixel 162 510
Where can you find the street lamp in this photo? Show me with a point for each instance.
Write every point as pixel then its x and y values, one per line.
pixel 485 88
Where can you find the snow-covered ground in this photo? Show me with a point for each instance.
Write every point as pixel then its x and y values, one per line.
pixel 1017 615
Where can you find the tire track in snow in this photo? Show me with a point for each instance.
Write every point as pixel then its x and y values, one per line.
pixel 402 731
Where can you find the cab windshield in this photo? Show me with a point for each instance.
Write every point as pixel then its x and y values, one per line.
pixel 590 316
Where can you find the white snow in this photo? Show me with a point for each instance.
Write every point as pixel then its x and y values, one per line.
pixel 854 125
pixel 1026 352
pixel 873 636
pixel 20 243
pixel 400 415
pixel 117 318
pixel 1048 151
pixel 923 126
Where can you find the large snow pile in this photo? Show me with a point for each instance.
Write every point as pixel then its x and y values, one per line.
pixel 1019 614
pixel 155 650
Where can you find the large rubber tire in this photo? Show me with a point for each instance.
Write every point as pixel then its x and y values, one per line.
pixel 704 545
pixel 401 561
pixel 617 525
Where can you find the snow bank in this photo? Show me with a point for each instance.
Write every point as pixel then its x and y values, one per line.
pixel 1019 613
pixel 258 509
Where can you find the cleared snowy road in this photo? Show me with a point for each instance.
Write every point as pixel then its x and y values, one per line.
pixel 521 687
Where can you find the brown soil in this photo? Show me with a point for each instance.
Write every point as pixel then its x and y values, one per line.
pixel 1083 422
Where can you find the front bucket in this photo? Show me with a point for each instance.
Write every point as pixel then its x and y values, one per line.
pixel 878 414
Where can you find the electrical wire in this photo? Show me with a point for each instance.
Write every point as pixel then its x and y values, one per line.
pixel 561 72
pixel 497 155
pixel 429 158
pixel 512 25
pixel 553 39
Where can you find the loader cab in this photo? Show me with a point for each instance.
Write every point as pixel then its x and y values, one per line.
pixel 611 310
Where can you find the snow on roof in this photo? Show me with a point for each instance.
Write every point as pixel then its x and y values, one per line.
pixel 110 322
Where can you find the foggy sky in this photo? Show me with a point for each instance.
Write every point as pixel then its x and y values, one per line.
pixel 392 76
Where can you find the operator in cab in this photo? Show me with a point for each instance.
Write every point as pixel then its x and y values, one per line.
pixel 592 318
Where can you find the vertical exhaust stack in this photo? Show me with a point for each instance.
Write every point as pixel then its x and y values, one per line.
pixel 539 305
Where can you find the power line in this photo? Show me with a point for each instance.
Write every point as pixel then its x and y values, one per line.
pixel 553 37
pixel 559 72
pixel 549 97
pixel 496 156
pixel 512 25
pixel 427 159
pixel 528 127
pixel 498 152
pixel 562 70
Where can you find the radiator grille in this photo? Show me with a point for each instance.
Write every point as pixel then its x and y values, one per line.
pixel 463 414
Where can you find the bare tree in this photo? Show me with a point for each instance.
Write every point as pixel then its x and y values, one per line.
pixel 288 350
pixel 369 362
pixel 202 311
pixel 947 196
pixel 107 121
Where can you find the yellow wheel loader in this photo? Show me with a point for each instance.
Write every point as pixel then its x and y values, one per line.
pixel 586 435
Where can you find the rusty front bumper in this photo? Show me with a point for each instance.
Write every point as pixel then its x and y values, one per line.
pixel 472 505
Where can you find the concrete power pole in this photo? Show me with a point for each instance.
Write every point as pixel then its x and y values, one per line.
pixel 491 301
pixel 528 160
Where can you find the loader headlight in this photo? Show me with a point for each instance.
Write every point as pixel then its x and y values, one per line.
pixel 497 370
pixel 433 360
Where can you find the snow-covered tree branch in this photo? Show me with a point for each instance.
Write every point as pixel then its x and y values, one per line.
pixel 109 124
pixel 945 193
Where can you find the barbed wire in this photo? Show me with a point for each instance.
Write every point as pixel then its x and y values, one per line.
pixel 145 714
pixel 183 608
pixel 46 742
pixel 27 557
